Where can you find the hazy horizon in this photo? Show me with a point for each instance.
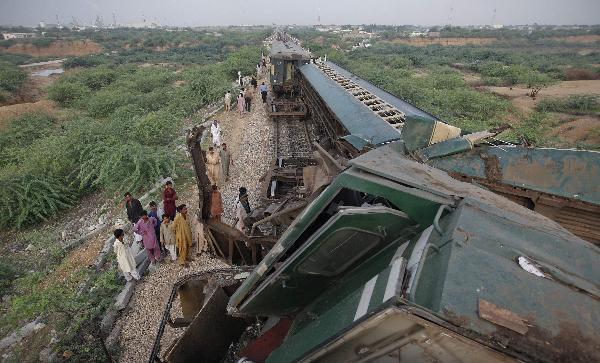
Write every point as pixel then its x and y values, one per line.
pixel 263 12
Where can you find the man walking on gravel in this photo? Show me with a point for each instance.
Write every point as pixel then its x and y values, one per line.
pixel 124 257
pixel 263 92
pixel 215 130
pixel 213 166
pixel 228 101
pixel 226 160
pixel 248 98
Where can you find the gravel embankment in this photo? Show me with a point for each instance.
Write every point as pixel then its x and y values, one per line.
pixel 250 138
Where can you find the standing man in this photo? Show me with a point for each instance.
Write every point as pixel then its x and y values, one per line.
pixel 145 227
pixel 216 203
pixel 254 83
pixel 168 237
pixel 134 211
pixel 226 160
pixel 156 214
pixel 240 78
pixel 215 130
pixel 228 101
pixel 263 92
pixel 134 208
pixel 124 257
pixel 183 235
pixel 213 166
pixel 169 197
pixel 248 98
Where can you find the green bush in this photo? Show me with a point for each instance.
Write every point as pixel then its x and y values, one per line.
pixel 576 104
pixel 68 94
pixel 11 77
pixel 123 164
pixel 27 197
pixel 25 130
pixel 106 101
pixel 155 128
pixel 42 42
pixel 98 78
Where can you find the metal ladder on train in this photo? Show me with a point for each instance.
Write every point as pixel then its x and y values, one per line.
pixel 387 112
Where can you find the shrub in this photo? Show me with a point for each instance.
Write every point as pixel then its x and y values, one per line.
pixel 124 164
pixel 98 78
pixel 25 130
pixel 577 104
pixel 106 101
pixel 11 77
pixel 27 197
pixel 156 128
pixel 42 42
pixel 84 62
pixel 68 94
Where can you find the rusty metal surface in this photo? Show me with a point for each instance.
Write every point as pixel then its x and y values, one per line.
pixel 573 174
pixel 502 317
pixel 201 342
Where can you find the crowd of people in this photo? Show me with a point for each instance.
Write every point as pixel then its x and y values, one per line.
pixel 167 231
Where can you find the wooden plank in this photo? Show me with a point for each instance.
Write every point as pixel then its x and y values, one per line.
pixel 502 317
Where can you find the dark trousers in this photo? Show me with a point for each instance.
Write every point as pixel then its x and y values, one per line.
pixel 248 102
pixel 264 96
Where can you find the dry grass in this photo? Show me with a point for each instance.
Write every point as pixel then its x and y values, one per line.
pixel 58 48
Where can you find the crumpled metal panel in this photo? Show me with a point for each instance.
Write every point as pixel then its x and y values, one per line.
pixel 573 174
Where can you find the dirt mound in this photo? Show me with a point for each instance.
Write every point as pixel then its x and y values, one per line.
pixel 9 112
pixel 590 38
pixel 584 129
pixel 520 98
pixel 421 42
pixel 59 48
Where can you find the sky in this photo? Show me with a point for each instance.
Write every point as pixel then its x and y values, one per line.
pixel 305 12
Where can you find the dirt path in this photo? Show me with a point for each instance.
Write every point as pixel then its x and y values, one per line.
pixel 250 138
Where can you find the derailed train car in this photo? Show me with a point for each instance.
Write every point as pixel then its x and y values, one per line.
pixel 285 59
pixel 396 260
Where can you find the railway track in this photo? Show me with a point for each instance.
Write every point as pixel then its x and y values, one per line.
pixel 293 141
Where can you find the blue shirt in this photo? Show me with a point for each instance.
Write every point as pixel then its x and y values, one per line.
pixel 263 88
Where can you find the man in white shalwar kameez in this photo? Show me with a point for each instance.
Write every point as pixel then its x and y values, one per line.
pixel 240 215
pixel 124 257
pixel 215 130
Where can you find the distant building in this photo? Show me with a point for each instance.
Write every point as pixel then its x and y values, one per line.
pixel 417 34
pixel 18 35
pixel 433 34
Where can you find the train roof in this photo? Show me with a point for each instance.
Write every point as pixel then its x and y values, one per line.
pixel 360 122
pixel 401 105
pixel 288 50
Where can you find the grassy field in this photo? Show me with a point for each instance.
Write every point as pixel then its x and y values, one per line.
pixel 481 84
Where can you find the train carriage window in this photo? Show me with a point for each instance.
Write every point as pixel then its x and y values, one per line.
pixel 351 234
pixel 289 71
pixel 345 245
